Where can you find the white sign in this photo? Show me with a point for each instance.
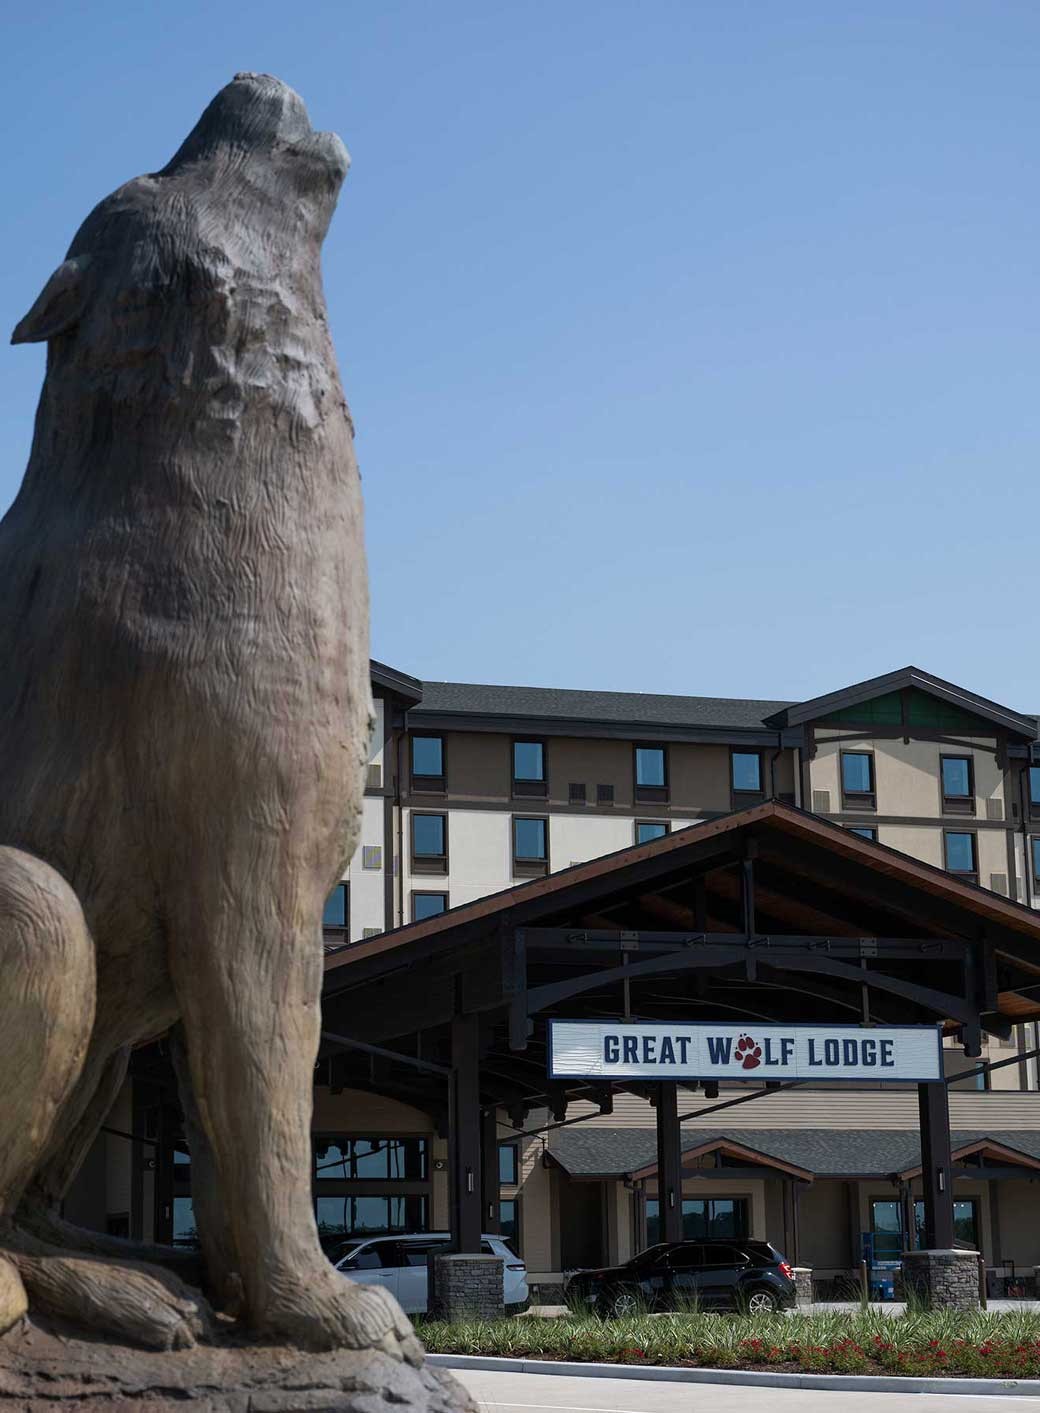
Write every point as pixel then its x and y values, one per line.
pixel 623 1050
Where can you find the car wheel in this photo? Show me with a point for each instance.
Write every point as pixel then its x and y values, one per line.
pixel 761 1302
pixel 622 1303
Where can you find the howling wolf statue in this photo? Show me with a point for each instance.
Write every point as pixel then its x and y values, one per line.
pixel 184 722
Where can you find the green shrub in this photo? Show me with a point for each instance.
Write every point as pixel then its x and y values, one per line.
pixel 978 1344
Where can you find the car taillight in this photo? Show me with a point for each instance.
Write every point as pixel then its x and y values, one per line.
pixel 785 1271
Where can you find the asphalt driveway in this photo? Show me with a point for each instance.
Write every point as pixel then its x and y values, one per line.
pixel 499 1392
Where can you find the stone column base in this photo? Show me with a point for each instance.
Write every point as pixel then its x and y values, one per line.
pixel 947 1280
pixel 803 1293
pixel 465 1287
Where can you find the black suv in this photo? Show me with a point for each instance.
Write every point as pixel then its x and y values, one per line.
pixel 750 1276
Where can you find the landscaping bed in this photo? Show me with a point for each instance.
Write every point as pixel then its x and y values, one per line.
pixel 927 1344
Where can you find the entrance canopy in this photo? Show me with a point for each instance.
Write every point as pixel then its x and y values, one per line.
pixel 769 914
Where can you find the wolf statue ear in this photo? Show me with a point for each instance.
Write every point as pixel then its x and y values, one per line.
pixel 59 306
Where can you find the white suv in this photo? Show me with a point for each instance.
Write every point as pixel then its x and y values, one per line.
pixel 399 1264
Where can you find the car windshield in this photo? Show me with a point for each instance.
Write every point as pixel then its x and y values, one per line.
pixel 341 1250
pixel 650 1255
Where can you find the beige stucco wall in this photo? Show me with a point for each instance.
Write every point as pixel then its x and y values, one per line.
pixel 357 1112
pixel 907 774
pixel 823 1226
pixel 1018 1215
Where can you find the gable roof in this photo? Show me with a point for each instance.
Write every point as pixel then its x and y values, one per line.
pixel 540 898
pixel 798 713
pixel 606 1152
pixel 392 679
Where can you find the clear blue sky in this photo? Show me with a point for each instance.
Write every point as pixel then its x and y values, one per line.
pixel 692 344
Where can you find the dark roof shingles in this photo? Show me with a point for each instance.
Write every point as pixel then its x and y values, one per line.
pixel 564 704
pixel 602 1152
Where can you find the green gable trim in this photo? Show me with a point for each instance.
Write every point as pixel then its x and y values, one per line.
pixel 881 711
pixel 925 712
pixel 937 715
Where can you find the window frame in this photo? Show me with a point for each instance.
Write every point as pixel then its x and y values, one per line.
pixel 865 831
pixel 971 875
pixel 428 784
pixel 741 799
pixel 1034 861
pixel 516 1241
pixel 858 799
pixel 528 867
pixel 529 789
pixel 957 804
pixel 514 1149
pixel 665 825
pixel 741 1200
pixel 1032 802
pixel 339 932
pixel 428 863
pixel 429 893
pixel 650 794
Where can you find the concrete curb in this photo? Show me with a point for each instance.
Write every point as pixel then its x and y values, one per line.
pixel 857 1383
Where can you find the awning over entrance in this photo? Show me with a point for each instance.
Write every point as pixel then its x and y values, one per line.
pixel 768 915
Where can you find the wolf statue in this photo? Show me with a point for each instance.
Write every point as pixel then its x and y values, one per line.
pixel 184 722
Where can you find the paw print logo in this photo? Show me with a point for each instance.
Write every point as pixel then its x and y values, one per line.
pixel 748 1053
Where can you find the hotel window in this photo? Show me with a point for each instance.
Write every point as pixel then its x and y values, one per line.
pixel 340 1162
pixel 1034 790
pixel 648 829
pixel 509 1164
pixel 961 855
pixel 428 763
pixel 703 1218
pixel 865 831
pixel 745 774
pixel 958 784
pixel 651 765
pixel 426 905
pixel 857 780
pixel 529 776
pixel 429 843
pixel 509 1223
pixel 1036 860
pixel 336 917
pixel 530 846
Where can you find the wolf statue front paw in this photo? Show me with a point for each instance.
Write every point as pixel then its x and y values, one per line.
pixel 337 1313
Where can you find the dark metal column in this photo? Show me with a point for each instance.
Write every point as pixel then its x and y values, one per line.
pixel 489 1183
pixel 936 1165
pixel 464 1144
pixel 669 1162
pixel 797 1188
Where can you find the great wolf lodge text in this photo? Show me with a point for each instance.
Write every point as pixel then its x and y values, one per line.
pixel 700 1050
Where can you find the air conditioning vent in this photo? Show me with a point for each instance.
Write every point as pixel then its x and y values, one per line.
pixel 604 794
pixel 821 801
pixel 371 932
pixel 576 792
pixel 994 809
pixel 998 883
pixel 375 778
pixel 371 856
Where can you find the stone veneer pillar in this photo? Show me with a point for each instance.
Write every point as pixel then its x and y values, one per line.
pixel 465 1286
pixel 803 1292
pixel 947 1280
